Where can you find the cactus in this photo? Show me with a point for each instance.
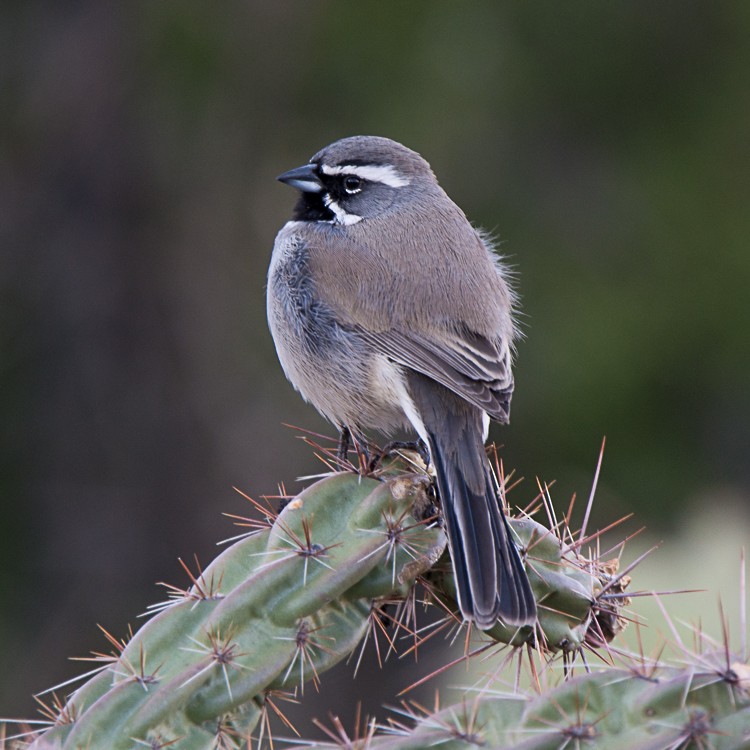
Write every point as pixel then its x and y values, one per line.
pixel 615 709
pixel 306 585
pixel 290 600
pixel 274 610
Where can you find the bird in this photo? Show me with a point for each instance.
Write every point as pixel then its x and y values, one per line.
pixel 389 310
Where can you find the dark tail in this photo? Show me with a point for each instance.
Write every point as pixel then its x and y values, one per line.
pixel 490 578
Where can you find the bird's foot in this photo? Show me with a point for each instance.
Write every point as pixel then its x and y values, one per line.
pixel 417 446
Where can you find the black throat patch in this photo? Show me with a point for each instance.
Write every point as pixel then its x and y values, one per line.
pixel 310 207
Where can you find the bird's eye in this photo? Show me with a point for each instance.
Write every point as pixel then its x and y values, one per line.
pixel 352 184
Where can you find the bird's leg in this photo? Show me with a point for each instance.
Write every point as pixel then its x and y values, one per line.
pixel 346 437
pixel 418 446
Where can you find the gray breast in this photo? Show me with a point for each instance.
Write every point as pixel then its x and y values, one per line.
pixel 327 362
pixel 295 312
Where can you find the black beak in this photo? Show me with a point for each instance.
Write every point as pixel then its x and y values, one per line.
pixel 303 178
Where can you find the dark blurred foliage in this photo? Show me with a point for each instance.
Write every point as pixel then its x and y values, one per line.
pixel 606 146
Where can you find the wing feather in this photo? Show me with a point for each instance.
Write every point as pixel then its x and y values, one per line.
pixel 471 365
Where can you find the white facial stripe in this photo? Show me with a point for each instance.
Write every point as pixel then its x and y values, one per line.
pixel 385 174
pixel 342 217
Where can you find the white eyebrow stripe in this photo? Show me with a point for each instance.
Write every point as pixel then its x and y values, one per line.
pixel 385 174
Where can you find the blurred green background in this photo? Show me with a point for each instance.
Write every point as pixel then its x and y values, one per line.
pixel 606 145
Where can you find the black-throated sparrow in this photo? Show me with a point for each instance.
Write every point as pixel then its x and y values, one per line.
pixel 389 309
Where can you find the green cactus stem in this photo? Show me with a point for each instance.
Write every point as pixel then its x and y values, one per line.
pixel 287 602
pixel 667 708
